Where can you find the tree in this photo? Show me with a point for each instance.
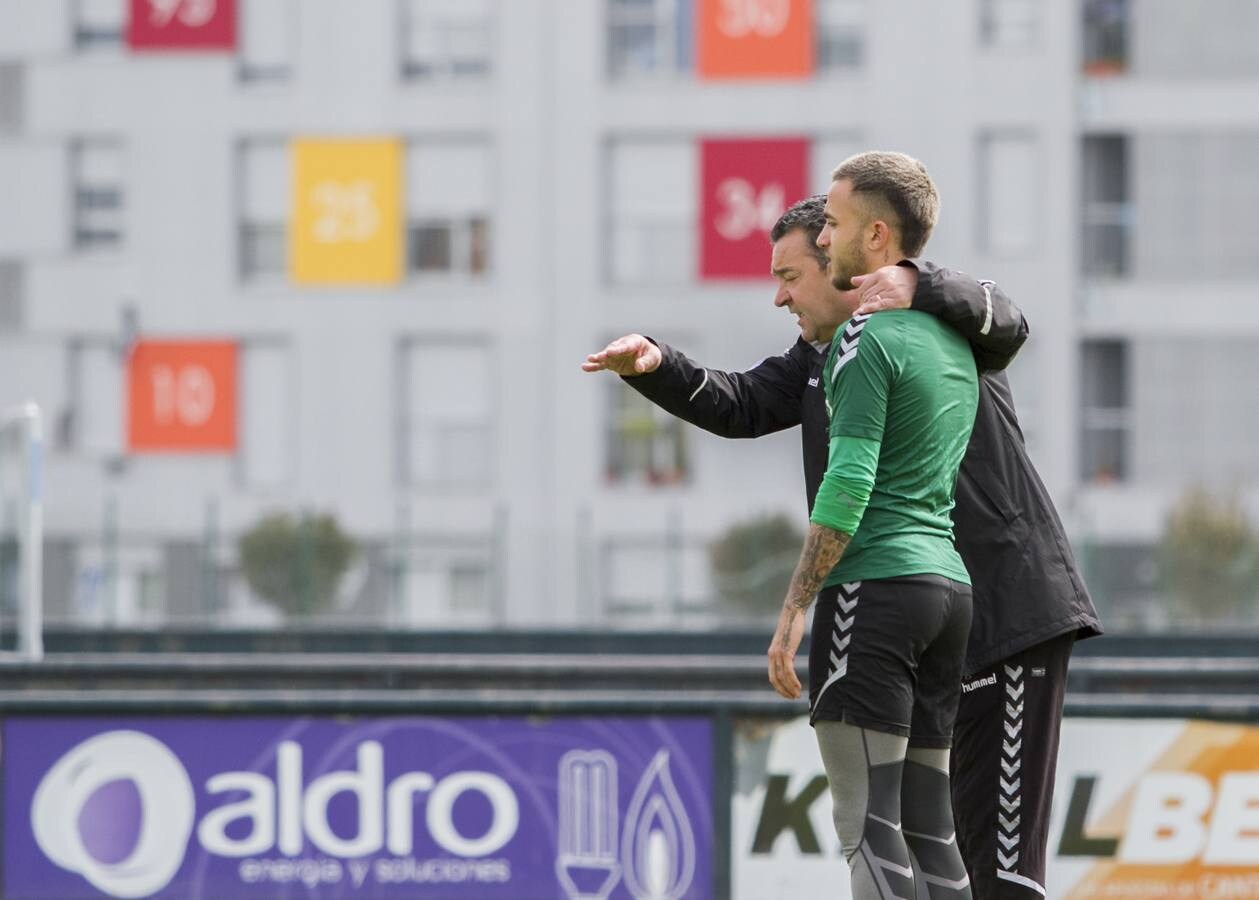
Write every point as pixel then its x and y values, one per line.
pixel 1208 556
pixel 295 563
pixel 752 562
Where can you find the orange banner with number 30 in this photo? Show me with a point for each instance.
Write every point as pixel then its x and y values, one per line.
pixel 755 38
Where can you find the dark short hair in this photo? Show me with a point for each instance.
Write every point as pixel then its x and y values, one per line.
pixel 898 187
pixel 807 216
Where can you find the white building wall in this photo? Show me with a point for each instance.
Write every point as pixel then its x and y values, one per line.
pixel 981 115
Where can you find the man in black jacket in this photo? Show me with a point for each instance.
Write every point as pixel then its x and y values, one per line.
pixel 1030 603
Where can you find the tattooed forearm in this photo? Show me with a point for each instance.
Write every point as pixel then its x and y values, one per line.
pixel 822 550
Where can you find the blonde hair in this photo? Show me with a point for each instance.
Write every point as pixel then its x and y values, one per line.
pixel 896 188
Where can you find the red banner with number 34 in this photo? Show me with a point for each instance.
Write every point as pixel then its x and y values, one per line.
pixel 747 185
pixel 182 25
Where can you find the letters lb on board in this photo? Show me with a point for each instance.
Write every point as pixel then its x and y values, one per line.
pixel 182 25
pixel 746 185
pixel 482 808
pixel 755 39
pixel 181 396
pixel 347 215
pixel 1156 808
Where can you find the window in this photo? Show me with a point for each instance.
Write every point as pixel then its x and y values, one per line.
pixel 11 105
pixel 645 445
pixel 1106 27
pixel 840 26
pixel 93 420
pixel 265 408
pixel 264 206
pixel 470 583
pixel 1009 24
pixel 448 202
pixel 1124 579
pixel 267 29
pixel 1170 41
pixel 653 214
pixel 1009 184
pixel 649 37
pixel 438 584
pixel 12 306
pixel 446 39
pixel 99 24
pixel 99 195
pixel 1105 414
pixel 1107 211
pixel 1199 218
pixel 654 579
pixel 1190 409
pixel 653 204
pixel 447 414
pixel 657 37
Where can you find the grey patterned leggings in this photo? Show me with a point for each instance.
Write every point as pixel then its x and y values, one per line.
pixel 892 815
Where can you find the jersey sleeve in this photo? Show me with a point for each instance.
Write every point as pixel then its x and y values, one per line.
pixel 845 491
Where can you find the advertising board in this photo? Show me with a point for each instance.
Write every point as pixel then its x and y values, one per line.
pixel 475 807
pixel 1148 809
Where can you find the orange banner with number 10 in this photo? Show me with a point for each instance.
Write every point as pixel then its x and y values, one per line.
pixel 182 397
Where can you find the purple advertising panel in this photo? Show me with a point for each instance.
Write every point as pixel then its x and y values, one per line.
pixel 457 808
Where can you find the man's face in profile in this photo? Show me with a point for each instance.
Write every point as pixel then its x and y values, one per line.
pixel 804 288
pixel 841 236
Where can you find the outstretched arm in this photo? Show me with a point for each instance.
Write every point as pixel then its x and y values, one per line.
pixel 762 400
pixel 627 356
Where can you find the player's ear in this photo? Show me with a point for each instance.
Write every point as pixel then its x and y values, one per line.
pixel 876 234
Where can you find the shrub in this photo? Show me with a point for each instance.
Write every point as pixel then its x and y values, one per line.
pixel 295 563
pixel 1208 556
pixel 752 562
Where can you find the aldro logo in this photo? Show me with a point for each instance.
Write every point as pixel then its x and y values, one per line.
pixel 135 817
pixel 282 814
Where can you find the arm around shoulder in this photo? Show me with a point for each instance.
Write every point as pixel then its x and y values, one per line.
pixel 980 310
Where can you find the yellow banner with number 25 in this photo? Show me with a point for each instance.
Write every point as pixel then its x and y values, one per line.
pixel 346 222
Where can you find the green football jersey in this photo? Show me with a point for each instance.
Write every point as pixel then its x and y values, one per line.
pixel 906 385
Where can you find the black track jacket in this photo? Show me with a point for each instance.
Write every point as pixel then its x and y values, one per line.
pixel 1027 587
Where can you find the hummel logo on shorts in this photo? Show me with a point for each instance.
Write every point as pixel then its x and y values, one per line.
pixel 969 686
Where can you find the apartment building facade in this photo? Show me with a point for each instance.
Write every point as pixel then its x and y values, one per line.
pixel 312 255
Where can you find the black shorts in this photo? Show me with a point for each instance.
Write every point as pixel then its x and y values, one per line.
pixel 888 655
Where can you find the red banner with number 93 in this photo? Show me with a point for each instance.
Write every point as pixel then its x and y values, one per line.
pixel 182 397
pixel 182 25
